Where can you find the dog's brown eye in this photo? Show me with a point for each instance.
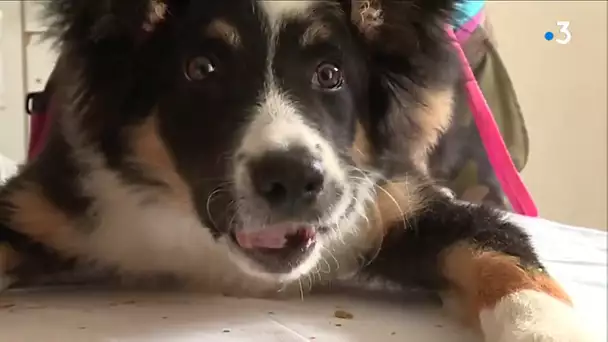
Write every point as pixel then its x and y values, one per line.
pixel 328 76
pixel 199 68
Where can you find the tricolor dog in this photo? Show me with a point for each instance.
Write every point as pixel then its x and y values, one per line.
pixel 246 147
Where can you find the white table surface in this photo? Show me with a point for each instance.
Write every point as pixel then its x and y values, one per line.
pixel 575 256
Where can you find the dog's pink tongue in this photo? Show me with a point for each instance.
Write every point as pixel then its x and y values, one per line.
pixel 270 237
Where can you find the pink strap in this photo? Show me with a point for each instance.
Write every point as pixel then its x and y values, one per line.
pixel 495 147
pixel 39 128
pixel 464 32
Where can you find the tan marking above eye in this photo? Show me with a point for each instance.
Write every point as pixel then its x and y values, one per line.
pixel 316 32
pixel 221 29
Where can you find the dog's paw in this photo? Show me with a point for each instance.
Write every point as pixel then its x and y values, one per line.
pixel 532 316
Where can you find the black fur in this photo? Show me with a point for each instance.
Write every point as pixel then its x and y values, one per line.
pixel 410 255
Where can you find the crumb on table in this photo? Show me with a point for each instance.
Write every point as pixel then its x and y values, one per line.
pixel 124 302
pixel 343 314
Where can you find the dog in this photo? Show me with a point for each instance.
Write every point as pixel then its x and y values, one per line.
pixel 242 146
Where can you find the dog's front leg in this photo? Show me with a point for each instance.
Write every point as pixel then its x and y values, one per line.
pixel 485 265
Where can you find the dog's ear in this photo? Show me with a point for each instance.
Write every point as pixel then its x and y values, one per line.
pixel 91 21
pixel 393 20
pixel 414 70
pixel 105 49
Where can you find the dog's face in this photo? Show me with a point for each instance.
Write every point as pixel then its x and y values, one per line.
pixel 272 118
pixel 263 114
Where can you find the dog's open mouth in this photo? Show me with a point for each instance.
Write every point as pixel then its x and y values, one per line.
pixel 279 248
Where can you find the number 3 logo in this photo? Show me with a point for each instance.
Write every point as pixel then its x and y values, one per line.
pixel 565 30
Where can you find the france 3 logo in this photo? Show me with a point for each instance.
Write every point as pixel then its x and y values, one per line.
pixel 564 33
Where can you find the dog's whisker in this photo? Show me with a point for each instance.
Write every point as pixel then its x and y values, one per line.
pixel 335 259
pixel 328 271
pixel 208 204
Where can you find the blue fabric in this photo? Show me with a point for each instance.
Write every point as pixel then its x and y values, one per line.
pixel 466 10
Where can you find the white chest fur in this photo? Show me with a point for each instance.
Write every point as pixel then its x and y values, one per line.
pixel 142 233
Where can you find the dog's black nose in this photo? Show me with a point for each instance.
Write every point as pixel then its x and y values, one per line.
pixel 290 179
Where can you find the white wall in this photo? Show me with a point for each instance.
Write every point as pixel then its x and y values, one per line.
pixel 563 92
pixel 12 89
pixel 26 61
